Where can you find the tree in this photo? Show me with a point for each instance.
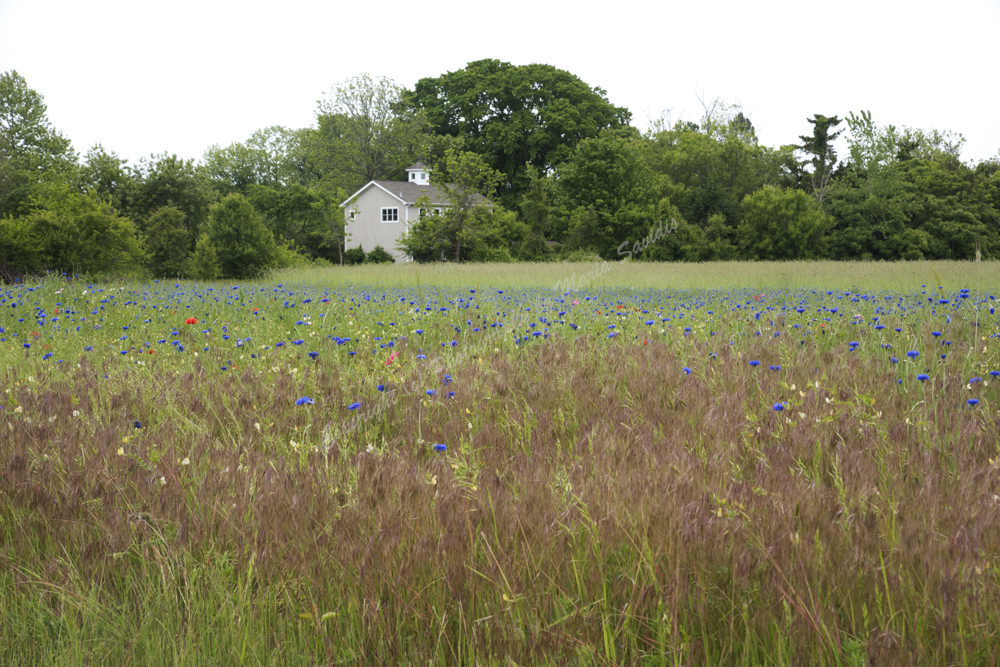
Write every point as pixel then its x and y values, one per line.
pixel 782 225
pixel 244 245
pixel 820 147
pixel 471 222
pixel 29 145
pixel 67 231
pixel 167 243
pixel 514 116
pixel 167 180
pixel 365 132
pixel 272 157
pixel 108 177
pixel 608 195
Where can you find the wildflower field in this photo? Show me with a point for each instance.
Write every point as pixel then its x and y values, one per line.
pixel 547 464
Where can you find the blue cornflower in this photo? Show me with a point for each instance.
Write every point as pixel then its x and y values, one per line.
pixel 440 448
pixel 923 376
pixel 778 407
pixel 687 371
pixel 913 354
pixel 305 400
pixel 973 401
pixel 894 360
pixel 420 331
pixel 451 394
pixel 755 363
pixel 137 424
pixel 381 387
pixel 431 392
pixel 995 373
pixel 353 406
pixel 935 333
pixel 775 367
pixel 314 354
pixel 421 356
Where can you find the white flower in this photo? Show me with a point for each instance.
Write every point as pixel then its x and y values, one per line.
pixel 76 413
pixel 163 481
pixel 256 425
pixel 186 461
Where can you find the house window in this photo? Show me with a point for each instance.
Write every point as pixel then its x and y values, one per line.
pixel 423 176
pixel 413 177
pixel 390 215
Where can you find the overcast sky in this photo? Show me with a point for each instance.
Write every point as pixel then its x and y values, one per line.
pixel 142 77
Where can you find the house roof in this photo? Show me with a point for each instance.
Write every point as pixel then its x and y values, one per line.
pixel 409 193
pixel 417 165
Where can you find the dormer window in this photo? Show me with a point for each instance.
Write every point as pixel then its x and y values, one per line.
pixel 413 176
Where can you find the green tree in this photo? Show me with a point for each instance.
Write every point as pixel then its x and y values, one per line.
pixel 271 157
pixel 70 232
pixel 820 147
pixel 516 116
pixel 204 261
pixel 365 132
pixel 167 180
pixel 471 222
pixel 167 243
pixel 782 225
pixel 244 245
pixel 108 177
pixel 29 145
pixel 608 195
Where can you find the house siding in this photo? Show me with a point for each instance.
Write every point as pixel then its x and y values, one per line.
pixel 367 229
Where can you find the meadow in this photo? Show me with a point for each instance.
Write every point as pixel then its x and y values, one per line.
pixel 565 464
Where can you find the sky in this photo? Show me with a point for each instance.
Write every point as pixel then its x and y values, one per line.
pixel 141 78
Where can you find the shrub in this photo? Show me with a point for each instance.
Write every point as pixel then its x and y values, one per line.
pixel 379 255
pixel 354 256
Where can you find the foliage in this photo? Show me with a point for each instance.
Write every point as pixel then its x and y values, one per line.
pixel 781 225
pixel 245 246
pixel 203 264
pixel 515 116
pixel 65 231
pixel 29 145
pixel 354 256
pixel 271 157
pixel 823 156
pixel 379 255
pixel 365 132
pixel 167 180
pixel 609 197
pixel 167 243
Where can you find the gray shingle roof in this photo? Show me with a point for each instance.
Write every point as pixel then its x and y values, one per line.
pixel 417 165
pixel 411 192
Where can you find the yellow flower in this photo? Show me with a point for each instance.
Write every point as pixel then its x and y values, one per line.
pixel 121 451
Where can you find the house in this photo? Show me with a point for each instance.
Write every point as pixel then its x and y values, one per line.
pixel 382 211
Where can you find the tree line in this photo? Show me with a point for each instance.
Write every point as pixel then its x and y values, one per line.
pixel 562 174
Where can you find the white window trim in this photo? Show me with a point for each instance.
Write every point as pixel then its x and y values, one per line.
pixel 394 214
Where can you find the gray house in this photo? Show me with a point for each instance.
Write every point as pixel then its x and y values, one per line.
pixel 382 211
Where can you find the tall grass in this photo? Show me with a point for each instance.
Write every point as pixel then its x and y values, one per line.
pixel 870 276
pixel 595 503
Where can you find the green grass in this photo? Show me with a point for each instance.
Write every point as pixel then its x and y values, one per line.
pixel 596 504
pixel 871 276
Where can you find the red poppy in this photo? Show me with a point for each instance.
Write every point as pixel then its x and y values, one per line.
pixel 151 351
pixel 190 320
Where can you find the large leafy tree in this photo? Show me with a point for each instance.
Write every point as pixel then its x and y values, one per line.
pixel 272 157
pixel 781 225
pixel 29 145
pixel 167 180
pixel 245 246
pixel 365 132
pixel 516 115
pixel 608 195
pixel 67 231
